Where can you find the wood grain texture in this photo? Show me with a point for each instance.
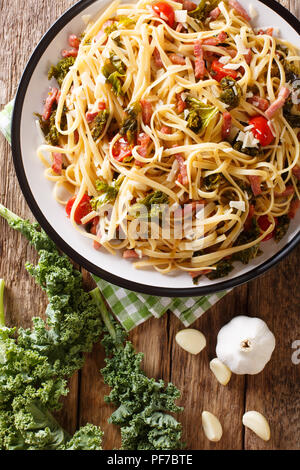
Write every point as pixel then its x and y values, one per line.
pixel 274 297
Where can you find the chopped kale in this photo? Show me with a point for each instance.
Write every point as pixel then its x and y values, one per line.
pixel 200 114
pixel 253 151
pixel 282 227
pixel 114 71
pixel 109 29
pixel 224 267
pixel 99 124
pixel 231 93
pixel 151 203
pixel 60 70
pixel 203 9
pixel 247 236
pixel 49 128
pixel 212 182
pixel 124 21
pixel 130 125
pixel 108 192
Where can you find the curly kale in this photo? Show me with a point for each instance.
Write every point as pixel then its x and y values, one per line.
pixel 282 227
pixel 108 192
pixel 60 70
pixel 200 114
pixel 252 151
pixel 292 73
pixel 99 124
pixel 143 404
pixel 231 92
pixel 212 182
pixel 203 9
pixel 151 203
pixel 130 124
pixel 247 236
pixel 35 363
pixel 223 268
pixel 114 72
pixel 49 128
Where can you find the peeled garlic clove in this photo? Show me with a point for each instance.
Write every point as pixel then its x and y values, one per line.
pixel 258 424
pixel 192 341
pixel 220 371
pixel 211 426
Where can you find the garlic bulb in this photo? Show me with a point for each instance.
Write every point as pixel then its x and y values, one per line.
pixel 245 345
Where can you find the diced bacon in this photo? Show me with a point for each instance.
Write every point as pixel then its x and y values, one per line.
pixel 94 231
pixel 294 206
pixel 51 99
pixel 268 31
pixel 143 141
pixel 203 272
pixel 248 57
pixel 296 171
pixel 166 130
pixel 255 184
pixel 226 127
pixel 146 111
pixel 91 116
pixel 231 52
pixel 74 41
pixel 289 190
pixel 57 162
pixel 179 28
pixel 177 59
pixel 157 59
pixel 76 136
pixel 284 93
pixel 222 36
pixel 97 245
pixel 199 60
pixel 101 105
pixel 214 14
pixel 130 254
pixel 69 53
pixel 181 105
pixel 241 10
pixel 211 42
pixel 258 102
pixel 182 177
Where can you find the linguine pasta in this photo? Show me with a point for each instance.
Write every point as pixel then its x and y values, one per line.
pixel 193 110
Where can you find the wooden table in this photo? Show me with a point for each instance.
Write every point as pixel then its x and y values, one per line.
pixel 274 297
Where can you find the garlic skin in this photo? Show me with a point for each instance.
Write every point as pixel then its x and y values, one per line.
pixel 245 345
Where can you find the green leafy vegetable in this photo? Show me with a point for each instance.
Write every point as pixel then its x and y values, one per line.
pixel 231 93
pixel 247 236
pixel 99 123
pixel 109 29
pixel 60 70
pixel 224 267
pixel 125 21
pixel 49 128
pixel 114 71
pixel 282 227
pixel 203 9
pixel 108 194
pixel 130 124
pixel 253 151
pixel 212 182
pixel 143 403
pixel 200 114
pixel 152 203
pixel 34 364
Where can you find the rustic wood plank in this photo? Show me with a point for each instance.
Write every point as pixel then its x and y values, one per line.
pixel 274 297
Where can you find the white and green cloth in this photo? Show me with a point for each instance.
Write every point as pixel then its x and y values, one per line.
pixel 132 308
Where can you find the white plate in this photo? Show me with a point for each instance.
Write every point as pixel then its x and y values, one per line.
pixel 38 191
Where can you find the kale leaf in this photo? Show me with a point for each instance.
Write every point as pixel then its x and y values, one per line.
pixel 203 9
pixel 60 70
pixel 200 114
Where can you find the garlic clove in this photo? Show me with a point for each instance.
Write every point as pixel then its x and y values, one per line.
pixel 258 424
pixel 192 341
pixel 220 371
pixel 211 426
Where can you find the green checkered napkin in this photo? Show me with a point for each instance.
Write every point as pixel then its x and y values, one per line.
pixel 132 308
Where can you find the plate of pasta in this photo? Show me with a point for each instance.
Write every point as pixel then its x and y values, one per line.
pixel 157 142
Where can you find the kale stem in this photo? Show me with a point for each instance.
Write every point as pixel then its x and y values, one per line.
pixel 106 316
pixel 8 215
pixel 2 318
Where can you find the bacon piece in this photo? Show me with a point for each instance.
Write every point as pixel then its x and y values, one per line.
pixel 248 57
pixel 166 130
pixel 146 111
pixel 52 97
pixel 294 206
pixel 74 41
pixel 289 190
pixel 258 102
pixel 181 105
pixel 226 127
pixel 176 59
pixel 182 177
pixel 268 31
pixel 215 40
pixel 241 10
pixel 284 93
pixel 69 53
pixel 203 272
pixel 187 5
pixel 214 14
pixel 94 231
pixel 296 171
pixel 91 116
pixel 57 162
pixel 130 254
pixel 76 136
pixel 255 184
pixel 157 59
pixel 143 141
pixel 222 36
pixel 199 60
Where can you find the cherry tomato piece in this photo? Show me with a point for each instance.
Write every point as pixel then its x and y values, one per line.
pixel 83 208
pixel 121 149
pixel 261 130
pixel 264 224
pixel 165 12
pixel 219 72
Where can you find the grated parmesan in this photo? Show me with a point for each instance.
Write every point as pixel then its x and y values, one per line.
pixel 232 66
pixel 241 48
pixel 239 205
pixel 180 16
